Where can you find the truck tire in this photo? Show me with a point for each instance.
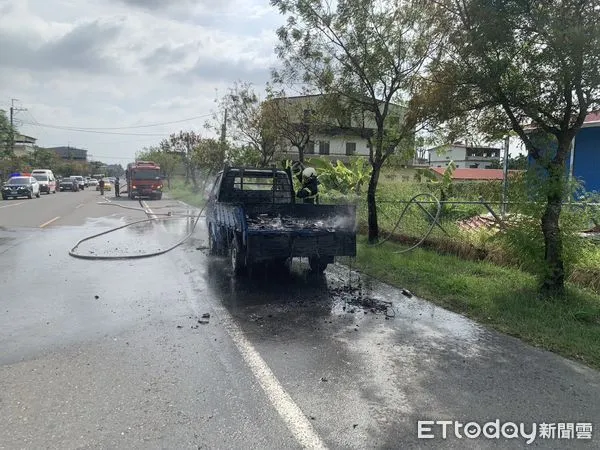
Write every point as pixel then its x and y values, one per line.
pixel 237 257
pixel 316 264
pixel 213 246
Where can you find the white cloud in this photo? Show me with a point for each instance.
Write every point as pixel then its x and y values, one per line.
pixel 119 63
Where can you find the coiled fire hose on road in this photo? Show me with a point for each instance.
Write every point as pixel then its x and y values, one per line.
pixel 167 216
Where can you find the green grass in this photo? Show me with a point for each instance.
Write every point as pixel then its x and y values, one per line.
pixel 499 297
pixel 180 191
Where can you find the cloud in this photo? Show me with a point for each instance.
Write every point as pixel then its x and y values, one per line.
pixel 120 63
pixel 81 49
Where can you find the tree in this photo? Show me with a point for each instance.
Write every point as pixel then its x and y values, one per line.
pixel 294 122
pixel 522 66
pixel 167 161
pixel 43 158
pixel 367 54
pixel 6 133
pixel 247 123
pixel 184 143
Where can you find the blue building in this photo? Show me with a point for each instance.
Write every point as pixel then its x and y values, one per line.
pixel 583 162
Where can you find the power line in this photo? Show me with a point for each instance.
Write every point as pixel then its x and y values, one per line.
pixel 92 131
pixel 149 125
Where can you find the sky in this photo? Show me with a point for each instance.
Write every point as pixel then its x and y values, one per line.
pixel 128 72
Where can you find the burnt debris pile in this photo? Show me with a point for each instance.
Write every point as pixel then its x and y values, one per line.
pixel 270 222
pixel 353 297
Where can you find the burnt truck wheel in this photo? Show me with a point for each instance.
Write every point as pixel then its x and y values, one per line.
pixel 212 243
pixel 237 258
pixel 317 264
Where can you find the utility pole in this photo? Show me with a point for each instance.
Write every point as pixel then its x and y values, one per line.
pixel 13 110
pixel 224 128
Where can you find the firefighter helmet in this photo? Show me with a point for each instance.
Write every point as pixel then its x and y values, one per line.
pixel 309 173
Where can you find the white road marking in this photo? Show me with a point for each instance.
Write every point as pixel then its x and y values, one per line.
pixel 148 210
pixel 80 205
pixel 49 222
pixel 14 204
pixel 290 412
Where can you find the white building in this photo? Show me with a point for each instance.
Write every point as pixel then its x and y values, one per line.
pixel 24 145
pixel 464 156
pixel 338 134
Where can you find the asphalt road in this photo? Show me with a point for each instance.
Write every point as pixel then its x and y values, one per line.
pixel 117 354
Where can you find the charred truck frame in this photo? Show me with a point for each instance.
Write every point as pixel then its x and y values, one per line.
pixel 144 180
pixel 252 216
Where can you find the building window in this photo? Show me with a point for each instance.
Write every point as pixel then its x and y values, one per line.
pixel 310 148
pixel 474 166
pixel 350 148
pixel 324 147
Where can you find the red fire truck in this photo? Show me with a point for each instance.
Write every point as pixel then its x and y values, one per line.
pixel 144 180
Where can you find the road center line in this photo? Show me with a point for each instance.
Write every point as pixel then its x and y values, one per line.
pixel 14 204
pixel 148 210
pixel 290 412
pixel 49 222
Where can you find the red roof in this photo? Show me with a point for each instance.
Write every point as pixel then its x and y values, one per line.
pixel 474 174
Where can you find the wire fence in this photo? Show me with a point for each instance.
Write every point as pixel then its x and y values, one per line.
pixel 467 227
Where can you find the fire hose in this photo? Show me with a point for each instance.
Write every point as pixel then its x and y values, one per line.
pixel 433 219
pixel 164 216
pixel 170 216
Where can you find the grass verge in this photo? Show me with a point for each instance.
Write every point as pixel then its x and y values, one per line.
pixel 503 298
pixel 180 191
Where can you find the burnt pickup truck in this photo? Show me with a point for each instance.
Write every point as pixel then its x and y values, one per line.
pixel 252 217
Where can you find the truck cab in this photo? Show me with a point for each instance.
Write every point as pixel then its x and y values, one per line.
pixel 144 180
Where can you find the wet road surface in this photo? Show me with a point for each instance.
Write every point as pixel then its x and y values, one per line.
pixel 97 354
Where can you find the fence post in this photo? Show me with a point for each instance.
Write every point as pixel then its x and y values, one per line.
pixel 505 175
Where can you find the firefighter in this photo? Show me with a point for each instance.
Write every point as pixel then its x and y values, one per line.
pixel 117 193
pixel 309 190
pixel 101 184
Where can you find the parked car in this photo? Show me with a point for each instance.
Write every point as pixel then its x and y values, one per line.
pixel 107 185
pixel 47 183
pixel 93 182
pixel 69 184
pixel 21 186
pixel 80 180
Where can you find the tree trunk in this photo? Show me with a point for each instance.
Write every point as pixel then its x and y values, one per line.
pixel 372 204
pixel 187 173
pixel 301 153
pixel 554 275
pixel 194 179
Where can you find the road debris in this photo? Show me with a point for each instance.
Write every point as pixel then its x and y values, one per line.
pixel 353 298
pixel 206 316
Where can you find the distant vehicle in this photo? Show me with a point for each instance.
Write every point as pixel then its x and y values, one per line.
pixel 80 180
pixel 93 182
pixel 21 186
pixel 252 215
pixel 47 183
pixel 107 185
pixel 69 184
pixel 144 180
